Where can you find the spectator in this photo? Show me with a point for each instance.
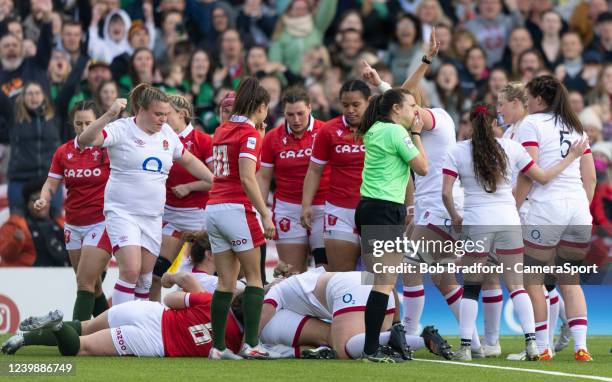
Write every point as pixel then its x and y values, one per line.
pixel 576 101
pixel 199 85
pixel 97 72
pixel 71 39
pixel 498 79
pixel 318 102
pixel 105 95
pixel 570 70
pixel 172 31
pixel 348 51
pixel 534 17
pixel 36 18
pixel 350 19
pixel 601 206
pixel 171 76
pixel 7 10
pixel 114 40
pixel 222 20
pixel 550 44
pixel 446 92
pixel 34 239
pixel 231 60
pixel 256 20
pixel 492 28
pixel 462 41
pixel 275 109
pixel 138 37
pixel 364 16
pixel 603 38
pixel 592 125
pixel 600 100
pixel 299 29
pixel 529 63
pixel 258 65
pixel 316 65
pixel 142 69
pixel 519 41
pixel 403 54
pixel 592 67
pixel 430 14
pixel 59 69
pixel 444 36
pixel 18 70
pixel 464 131
pixel 585 16
pixel 475 73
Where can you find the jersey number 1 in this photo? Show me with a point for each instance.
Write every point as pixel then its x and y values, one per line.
pixel 221 163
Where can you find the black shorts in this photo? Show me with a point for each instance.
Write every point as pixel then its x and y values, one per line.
pixel 377 219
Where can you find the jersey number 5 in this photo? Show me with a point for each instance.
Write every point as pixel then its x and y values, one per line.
pixel 221 163
pixel 566 144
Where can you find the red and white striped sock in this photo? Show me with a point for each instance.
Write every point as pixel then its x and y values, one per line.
pixel 578 328
pixel 492 302
pixel 141 292
pixel 553 315
pixel 453 299
pixel 123 292
pixel 467 322
pixel 413 301
pixel 524 311
pixel 541 331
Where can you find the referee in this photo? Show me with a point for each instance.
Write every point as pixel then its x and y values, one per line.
pixel 391 130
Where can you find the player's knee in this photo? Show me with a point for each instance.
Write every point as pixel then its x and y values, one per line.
pixel 561 261
pixel 471 291
pixel 129 275
pixel 87 284
pixel 161 266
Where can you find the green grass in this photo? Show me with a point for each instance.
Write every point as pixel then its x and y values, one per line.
pixel 179 369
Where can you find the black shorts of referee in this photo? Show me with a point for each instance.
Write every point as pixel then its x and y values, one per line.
pixel 378 219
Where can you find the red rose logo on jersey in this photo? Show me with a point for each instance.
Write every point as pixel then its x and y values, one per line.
pixel 9 315
pixel 331 219
pixel 139 142
pixel 284 224
pixel 67 237
pixel 165 144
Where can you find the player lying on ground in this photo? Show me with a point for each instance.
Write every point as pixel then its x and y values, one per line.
pixel 295 308
pixel 140 328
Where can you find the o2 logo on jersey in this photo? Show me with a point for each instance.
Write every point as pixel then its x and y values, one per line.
pixel 284 224
pixel 165 144
pixel 343 149
pixel 301 153
pixel 201 334
pixel 239 242
pixel 348 299
pixel 152 164
pixel 67 236
pixel 536 234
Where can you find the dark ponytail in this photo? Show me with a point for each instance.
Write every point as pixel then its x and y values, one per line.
pixel 356 86
pixel 555 95
pixel 380 107
pixel 490 160
pixel 199 245
pixel 249 96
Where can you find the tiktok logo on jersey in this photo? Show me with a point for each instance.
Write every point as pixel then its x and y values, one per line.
pixel 152 164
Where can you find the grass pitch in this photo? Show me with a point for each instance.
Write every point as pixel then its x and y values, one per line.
pixel 118 369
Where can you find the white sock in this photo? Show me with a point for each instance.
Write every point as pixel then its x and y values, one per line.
pixel 413 301
pixel 285 351
pixel 123 292
pixel 553 315
pixel 492 302
pixel 354 346
pixel 541 332
pixel 453 299
pixel 143 286
pixel 524 310
pixel 578 328
pixel 467 321
pixel 562 314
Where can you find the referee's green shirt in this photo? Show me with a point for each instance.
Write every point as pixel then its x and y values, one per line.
pixel 389 150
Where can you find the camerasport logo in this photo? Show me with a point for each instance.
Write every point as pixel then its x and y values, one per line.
pixel 9 315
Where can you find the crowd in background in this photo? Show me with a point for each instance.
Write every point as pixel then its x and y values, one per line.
pixel 55 53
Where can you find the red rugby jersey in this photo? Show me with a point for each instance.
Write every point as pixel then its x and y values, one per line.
pixel 187 332
pixel 200 145
pixel 290 156
pixel 233 140
pixel 335 146
pixel 85 174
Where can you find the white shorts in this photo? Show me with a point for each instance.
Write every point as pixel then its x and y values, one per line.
pixel 289 230
pixel 93 235
pixel 289 294
pixel 284 328
pixel 508 240
pixel 565 222
pixel 438 223
pixel 339 224
pixel 233 226
pixel 178 220
pixel 524 211
pixel 346 292
pixel 136 328
pixel 125 229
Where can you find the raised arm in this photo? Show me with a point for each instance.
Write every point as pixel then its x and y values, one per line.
pixel 92 135
pixel 184 280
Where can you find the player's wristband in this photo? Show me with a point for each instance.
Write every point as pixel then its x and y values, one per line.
pixel 414 133
pixel 410 210
pixel 384 86
pixel 425 60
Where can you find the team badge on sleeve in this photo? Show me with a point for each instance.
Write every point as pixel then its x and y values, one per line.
pixel 408 142
pixel 251 143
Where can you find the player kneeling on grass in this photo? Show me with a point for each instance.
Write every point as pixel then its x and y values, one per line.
pixel 140 328
pixel 295 309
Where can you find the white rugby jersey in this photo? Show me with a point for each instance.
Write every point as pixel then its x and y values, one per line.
pixel 480 207
pixel 553 141
pixel 436 142
pixel 139 164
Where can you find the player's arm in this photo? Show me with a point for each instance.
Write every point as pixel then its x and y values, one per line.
pixel 264 178
pixel 523 182
pixel 589 177
pixel 311 185
pixel 543 176
pixel 46 193
pixel 184 280
pixel 196 168
pixel 247 169
pixel 176 300
pixel 448 181
pixel 92 135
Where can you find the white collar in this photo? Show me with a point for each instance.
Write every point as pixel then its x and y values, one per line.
pixel 186 131
pixel 310 126
pixel 345 123
pixel 241 119
pixel 76 146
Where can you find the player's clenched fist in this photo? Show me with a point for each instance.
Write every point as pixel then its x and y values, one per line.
pixel 118 106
